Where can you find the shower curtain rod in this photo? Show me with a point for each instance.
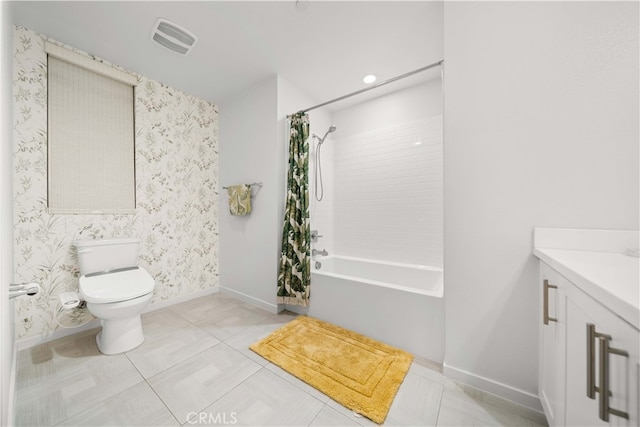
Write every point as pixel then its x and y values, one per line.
pixel 357 92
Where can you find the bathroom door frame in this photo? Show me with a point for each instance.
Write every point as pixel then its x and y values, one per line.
pixel 7 339
pixel 7 336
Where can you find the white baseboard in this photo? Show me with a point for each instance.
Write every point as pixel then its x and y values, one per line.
pixel 95 323
pixel 508 392
pixel 179 299
pixel 58 333
pixel 270 307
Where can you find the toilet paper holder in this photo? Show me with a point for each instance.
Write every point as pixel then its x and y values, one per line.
pixel 18 289
pixel 69 300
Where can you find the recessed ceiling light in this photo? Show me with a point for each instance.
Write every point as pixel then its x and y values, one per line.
pixel 369 78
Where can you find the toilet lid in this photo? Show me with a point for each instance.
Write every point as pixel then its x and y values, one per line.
pixel 116 285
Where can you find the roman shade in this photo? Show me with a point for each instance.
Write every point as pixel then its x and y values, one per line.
pixel 91 163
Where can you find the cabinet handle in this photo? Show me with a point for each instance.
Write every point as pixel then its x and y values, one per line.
pixel 592 335
pixel 604 410
pixel 545 297
pixel 605 351
pixel 591 357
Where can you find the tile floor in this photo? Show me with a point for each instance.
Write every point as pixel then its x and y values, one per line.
pixel 195 368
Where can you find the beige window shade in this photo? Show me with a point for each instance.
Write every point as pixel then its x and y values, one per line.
pixel 91 138
pixel 90 64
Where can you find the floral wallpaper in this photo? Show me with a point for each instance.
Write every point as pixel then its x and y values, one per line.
pixel 176 195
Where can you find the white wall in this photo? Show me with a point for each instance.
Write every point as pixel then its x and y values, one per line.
pixel 7 338
pixel 253 147
pixel 388 176
pixel 249 153
pixel 424 99
pixel 541 125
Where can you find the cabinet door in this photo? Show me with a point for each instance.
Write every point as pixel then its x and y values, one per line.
pixel 584 368
pixel 551 356
pixel 625 374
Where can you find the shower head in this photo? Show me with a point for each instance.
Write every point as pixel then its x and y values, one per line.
pixel 332 128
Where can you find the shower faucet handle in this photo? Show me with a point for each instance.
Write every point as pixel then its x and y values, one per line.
pixel 322 252
pixel 315 236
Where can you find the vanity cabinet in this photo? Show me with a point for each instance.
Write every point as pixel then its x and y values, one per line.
pixel 589 365
pixel 602 365
pixel 552 344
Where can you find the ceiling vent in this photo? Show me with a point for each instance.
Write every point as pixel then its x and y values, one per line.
pixel 172 36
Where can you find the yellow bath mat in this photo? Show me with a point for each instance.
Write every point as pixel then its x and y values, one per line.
pixel 360 373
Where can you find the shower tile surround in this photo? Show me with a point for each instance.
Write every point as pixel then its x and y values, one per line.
pixel 389 194
pixel 176 194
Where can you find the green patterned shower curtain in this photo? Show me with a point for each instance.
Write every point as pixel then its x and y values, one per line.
pixel 294 276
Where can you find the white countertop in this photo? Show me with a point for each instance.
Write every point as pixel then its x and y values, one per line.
pixel 596 262
pixel 612 278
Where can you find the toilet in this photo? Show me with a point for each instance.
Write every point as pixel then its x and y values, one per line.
pixel 116 290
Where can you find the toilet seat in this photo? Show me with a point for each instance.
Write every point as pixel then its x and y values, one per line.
pixel 116 286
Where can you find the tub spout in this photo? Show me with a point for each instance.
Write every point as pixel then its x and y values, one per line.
pixel 315 252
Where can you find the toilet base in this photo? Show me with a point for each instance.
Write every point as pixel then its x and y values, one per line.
pixel 121 324
pixel 120 335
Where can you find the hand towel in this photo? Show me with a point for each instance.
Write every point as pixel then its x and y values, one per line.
pixel 239 199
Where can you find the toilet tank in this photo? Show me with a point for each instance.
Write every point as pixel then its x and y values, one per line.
pixel 106 254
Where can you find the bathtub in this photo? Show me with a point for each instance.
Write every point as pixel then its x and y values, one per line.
pixel 399 304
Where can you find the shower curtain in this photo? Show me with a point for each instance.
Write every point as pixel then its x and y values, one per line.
pixel 294 276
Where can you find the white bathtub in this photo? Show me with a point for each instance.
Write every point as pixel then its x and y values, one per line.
pixel 399 304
